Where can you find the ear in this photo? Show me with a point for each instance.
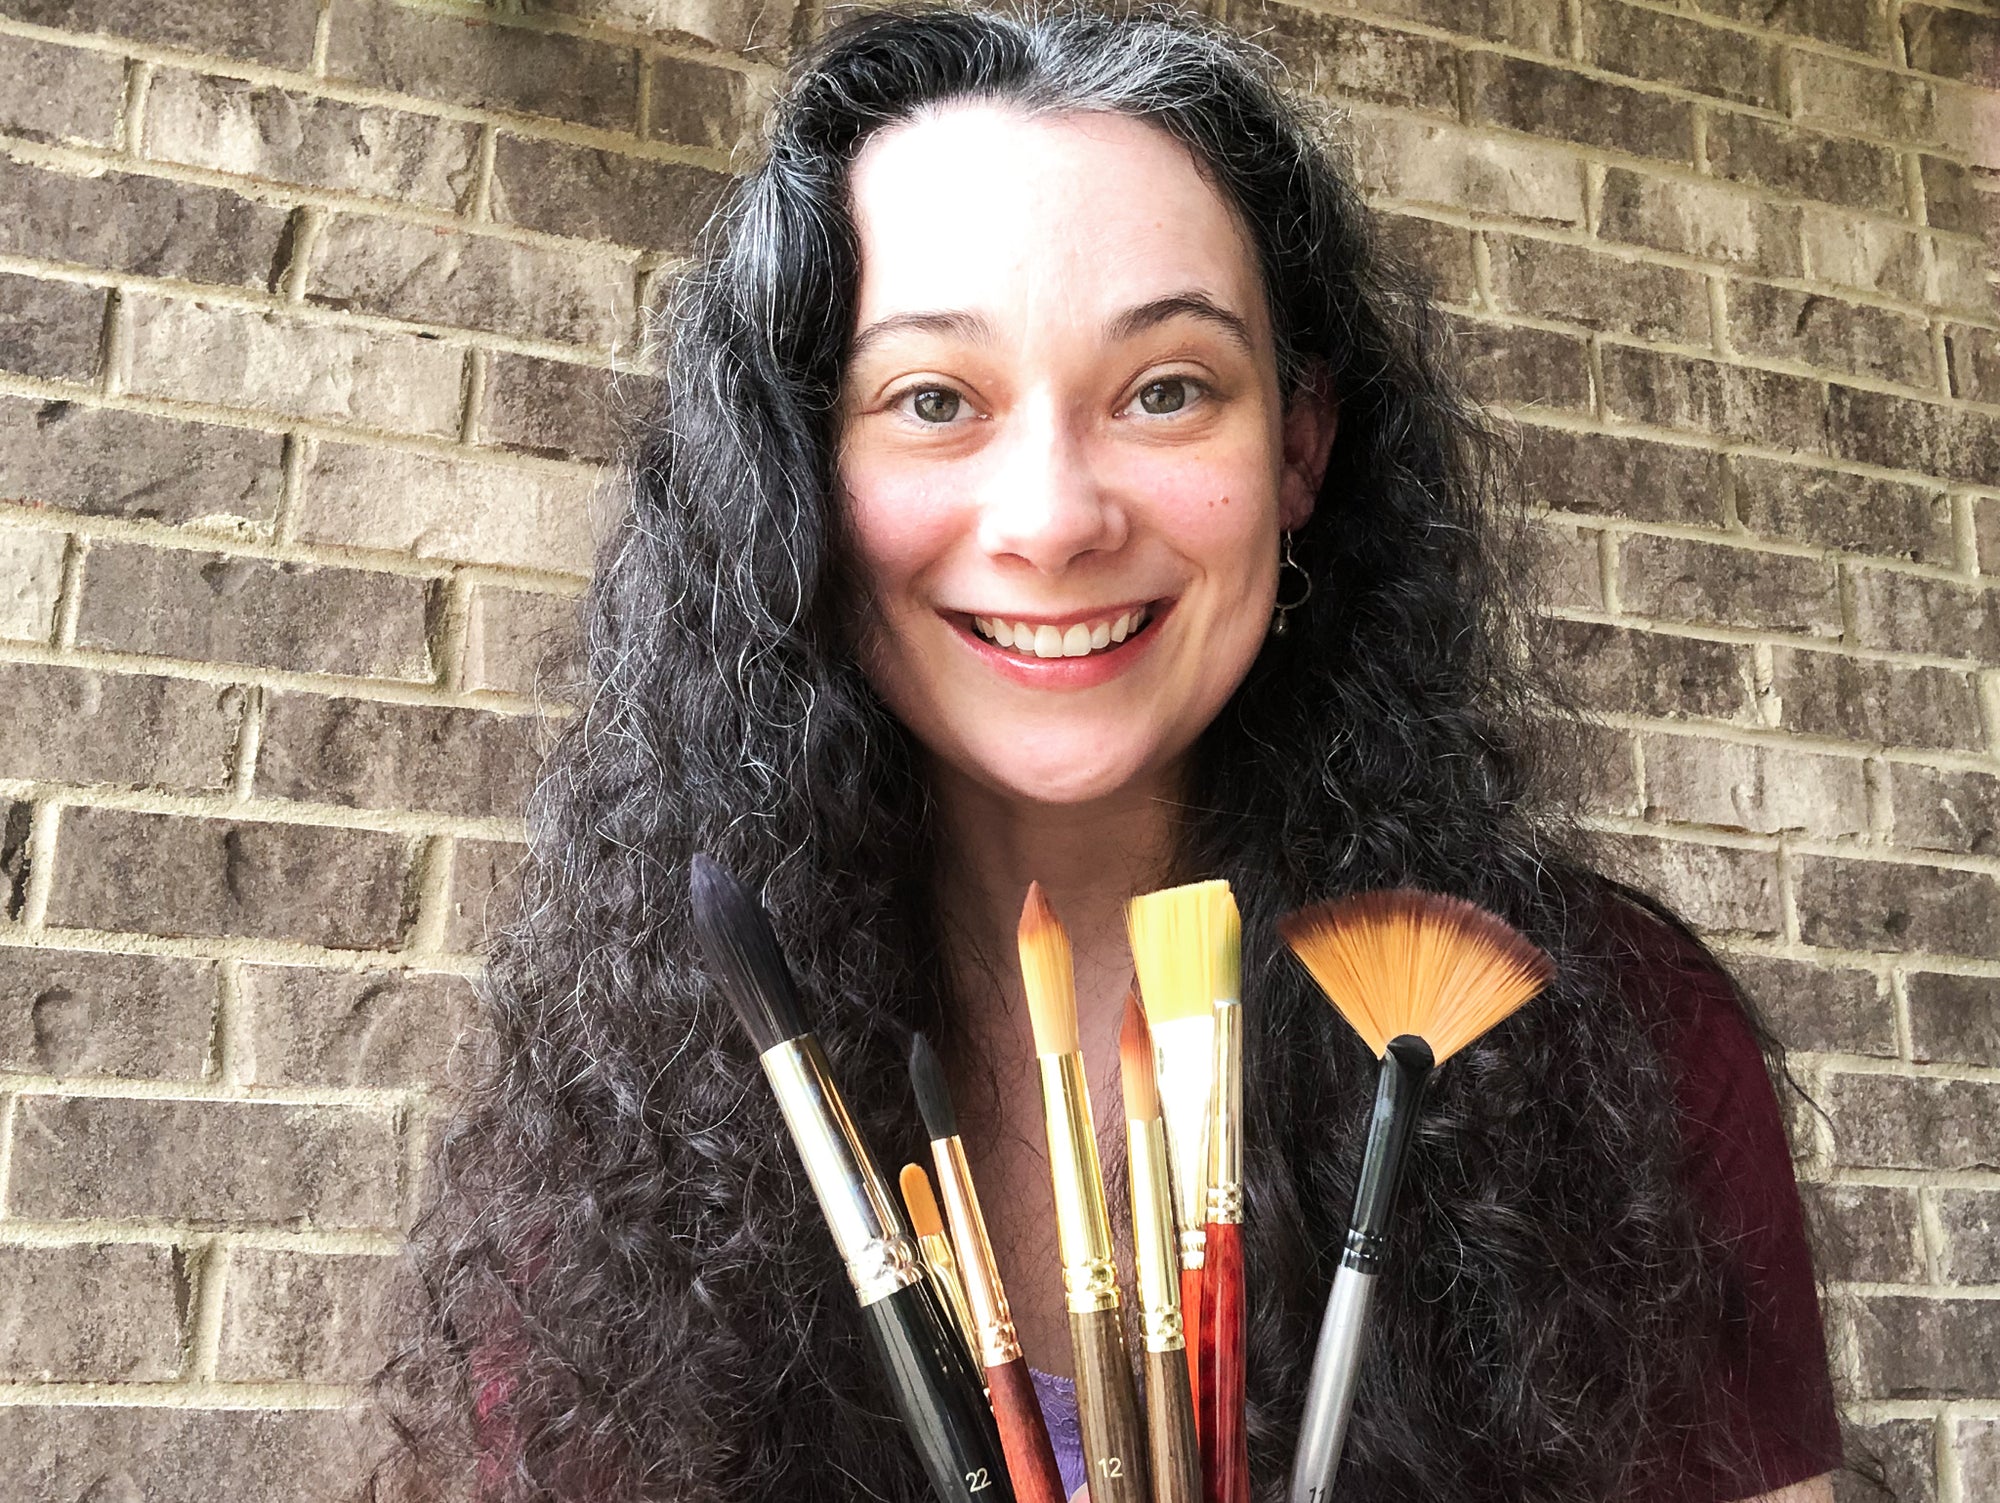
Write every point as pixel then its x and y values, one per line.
pixel 1311 420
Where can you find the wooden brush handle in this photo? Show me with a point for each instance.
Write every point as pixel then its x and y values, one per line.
pixel 1191 1323
pixel 1107 1409
pixel 1176 1457
pixel 1024 1438
pixel 1225 1451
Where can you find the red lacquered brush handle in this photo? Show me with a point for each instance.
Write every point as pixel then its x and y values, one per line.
pixel 1191 1324
pixel 1024 1438
pixel 1225 1452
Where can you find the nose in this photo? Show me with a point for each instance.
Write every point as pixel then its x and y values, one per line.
pixel 1044 504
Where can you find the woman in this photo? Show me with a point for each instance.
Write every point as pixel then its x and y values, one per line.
pixel 1055 481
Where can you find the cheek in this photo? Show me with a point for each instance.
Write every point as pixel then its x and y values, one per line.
pixel 1220 513
pixel 897 525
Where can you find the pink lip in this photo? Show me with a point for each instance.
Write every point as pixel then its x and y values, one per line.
pixel 1066 673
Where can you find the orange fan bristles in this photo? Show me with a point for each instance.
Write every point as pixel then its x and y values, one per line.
pixel 1407 961
pixel 1048 975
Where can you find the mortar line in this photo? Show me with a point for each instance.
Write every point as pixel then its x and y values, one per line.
pixel 227 947
pixel 41 858
pixel 205 1316
pixel 69 590
pixel 221 804
pixel 87 1231
pixel 130 134
pixel 249 733
pixel 205 1396
pixel 8 1112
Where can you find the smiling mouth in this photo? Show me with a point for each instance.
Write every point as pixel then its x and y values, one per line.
pixel 1031 640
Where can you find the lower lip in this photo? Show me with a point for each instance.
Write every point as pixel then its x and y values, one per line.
pixel 1068 673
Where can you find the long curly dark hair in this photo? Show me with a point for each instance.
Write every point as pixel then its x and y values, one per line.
pixel 625 1289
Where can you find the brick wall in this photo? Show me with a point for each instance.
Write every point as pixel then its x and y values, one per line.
pixel 316 319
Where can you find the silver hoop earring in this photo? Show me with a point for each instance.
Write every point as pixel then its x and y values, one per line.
pixel 1281 613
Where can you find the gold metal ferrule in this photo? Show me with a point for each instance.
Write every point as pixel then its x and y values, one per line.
pixel 868 1228
pixel 944 1274
pixel 1083 1224
pixel 1184 1065
pixel 1153 1253
pixel 994 1340
pixel 1225 1116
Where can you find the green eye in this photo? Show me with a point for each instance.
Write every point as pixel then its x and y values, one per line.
pixel 936 404
pixel 1173 390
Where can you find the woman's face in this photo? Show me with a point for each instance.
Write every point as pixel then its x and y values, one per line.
pixel 1063 456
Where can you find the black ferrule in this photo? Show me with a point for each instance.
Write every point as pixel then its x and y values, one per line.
pixel 1406 1066
pixel 942 1401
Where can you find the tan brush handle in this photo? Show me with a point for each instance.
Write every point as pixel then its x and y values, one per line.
pixel 1107 1409
pixel 1176 1456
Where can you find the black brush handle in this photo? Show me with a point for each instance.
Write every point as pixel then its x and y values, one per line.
pixel 941 1398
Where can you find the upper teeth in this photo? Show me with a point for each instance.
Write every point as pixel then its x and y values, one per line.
pixel 1046 641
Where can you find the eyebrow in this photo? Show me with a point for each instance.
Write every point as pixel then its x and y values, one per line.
pixel 973 329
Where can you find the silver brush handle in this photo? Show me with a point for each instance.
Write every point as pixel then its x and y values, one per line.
pixel 1343 1335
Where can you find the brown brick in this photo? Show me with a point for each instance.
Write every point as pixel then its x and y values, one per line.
pixel 1951 197
pixel 1974 356
pixel 742 26
pixel 30 580
pixel 1752 406
pixel 1536 25
pixel 368 754
pixel 1829 1008
pixel 119 1453
pixel 449 508
pixel 1921 1347
pixel 73 1013
pixel 1784 324
pixel 522 642
pixel 555 408
pixel 1828 169
pixel 1855 512
pixel 1986 523
pixel 261 131
pixel 454 60
pixel 1965 121
pixel 1564 562
pixel 696 105
pixel 204 1161
pixel 1524 367
pixel 60 93
pixel 224 608
pixel 1865 1233
pixel 1954 1018
pixel 484 885
pixel 124 464
pixel 1843 23
pixel 304 1317
pixel 1976 1445
pixel 1422 161
pixel 601 195
pixel 1547 279
pixel 1865 253
pixel 1554 102
pixel 383 1029
pixel 1440 255
pixel 169 875
pixel 1759 788
pixel 1963 266
pixel 74 726
pixel 1650 673
pixel 436 276
pixel 1683 580
pixel 124 222
pixel 1675 50
pixel 1835 93
pixel 1825 694
pixel 1634 478
pixel 1873 905
pixel 1952 43
pixel 1906 434
pixel 1343 59
pixel 1945 811
pixel 1917 613
pixel 50 329
pixel 1604 767
pixel 239 357
pixel 279 32
pixel 1716 221
pixel 1971 1224
pixel 1912 1122
pixel 1905 1450
pixel 84 1314
pixel 1712 887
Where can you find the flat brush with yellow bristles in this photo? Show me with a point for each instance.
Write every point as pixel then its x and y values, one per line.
pixel 1418 976
pixel 928 1223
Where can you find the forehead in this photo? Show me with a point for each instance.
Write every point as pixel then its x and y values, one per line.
pixel 979 205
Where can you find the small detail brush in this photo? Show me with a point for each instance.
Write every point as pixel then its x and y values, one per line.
pixel 929 1227
pixel 1024 1435
pixel 922 1359
pixel 1114 1443
pixel 1173 955
pixel 1419 976
pixel 1225 1437
pixel 1176 1454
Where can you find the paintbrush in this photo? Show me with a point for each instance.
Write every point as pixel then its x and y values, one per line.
pixel 1114 1443
pixel 936 1246
pixel 923 1360
pixel 1024 1436
pixel 1223 1384
pixel 1176 1453
pixel 1419 976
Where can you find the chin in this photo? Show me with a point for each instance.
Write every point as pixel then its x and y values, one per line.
pixel 1035 767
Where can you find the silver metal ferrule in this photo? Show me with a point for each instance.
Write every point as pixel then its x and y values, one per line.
pixel 868 1228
